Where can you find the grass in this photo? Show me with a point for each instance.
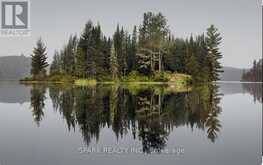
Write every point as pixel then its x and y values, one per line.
pixel 181 80
pixel 158 78
pixel 58 78
pixel 85 82
pixel 134 78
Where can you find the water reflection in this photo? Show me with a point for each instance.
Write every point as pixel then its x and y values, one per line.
pixel 255 90
pixel 151 113
pixel 38 102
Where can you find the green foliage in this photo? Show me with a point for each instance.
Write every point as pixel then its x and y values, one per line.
pixel 55 78
pixel 55 65
pixel 85 82
pixel 152 36
pixel 161 76
pixel 114 67
pixel 120 42
pixel 39 61
pixel 38 103
pixel 158 77
pixel 149 112
pixel 135 76
pixel 194 68
pixel 68 56
pixel 255 73
pixel 27 79
pixel 175 60
pixel 61 78
pixel 80 64
pixel 213 40
pixel 132 48
pixel 148 54
pixel 144 62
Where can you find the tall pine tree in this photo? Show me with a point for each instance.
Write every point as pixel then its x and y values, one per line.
pixel 114 64
pixel 80 66
pixel 213 40
pixel 55 65
pixel 39 60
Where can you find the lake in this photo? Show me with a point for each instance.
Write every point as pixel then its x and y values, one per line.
pixel 217 124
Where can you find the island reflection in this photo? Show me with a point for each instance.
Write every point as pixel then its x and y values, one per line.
pixel 151 113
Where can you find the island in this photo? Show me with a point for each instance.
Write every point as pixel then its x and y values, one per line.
pixel 151 54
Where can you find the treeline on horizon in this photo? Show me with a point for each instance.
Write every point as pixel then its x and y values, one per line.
pixel 255 73
pixel 151 49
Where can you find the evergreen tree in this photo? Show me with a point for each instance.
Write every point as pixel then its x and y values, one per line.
pixel 39 60
pixel 152 35
pixel 175 61
pixel 120 44
pixel 133 48
pixel 144 62
pixel 193 68
pixel 213 40
pixel 106 53
pixel 114 64
pixel 98 52
pixel 55 65
pixel 255 73
pixel 86 44
pixel 38 103
pixel 80 66
pixel 154 48
pixel 68 56
pixel 202 58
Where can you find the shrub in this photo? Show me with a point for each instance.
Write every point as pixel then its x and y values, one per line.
pixel 161 76
pixel 85 82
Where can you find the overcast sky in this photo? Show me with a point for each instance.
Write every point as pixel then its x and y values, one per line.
pixel 239 22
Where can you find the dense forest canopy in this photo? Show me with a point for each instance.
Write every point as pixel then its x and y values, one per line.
pixel 255 73
pixel 151 49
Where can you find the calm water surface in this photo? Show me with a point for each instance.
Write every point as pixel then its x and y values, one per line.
pixel 63 125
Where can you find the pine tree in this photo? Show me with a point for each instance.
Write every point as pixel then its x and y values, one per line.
pixel 55 65
pixel 39 60
pixel 98 55
pixel 131 59
pixel 114 64
pixel 175 60
pixel 154 48
pixel 144 62
pixel 152 35
pixel 213 40
pixel 255 73
pixel 80 66
pixel 120 40
pixel 68 56
pixel 106 53
pixel 38 103
pixel 86 44
pixel 126 42
pixel 193 68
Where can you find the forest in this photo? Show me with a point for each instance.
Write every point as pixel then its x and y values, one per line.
pixel 149 53
pixel 255 73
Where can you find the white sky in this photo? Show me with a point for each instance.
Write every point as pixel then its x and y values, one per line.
pixel 239 22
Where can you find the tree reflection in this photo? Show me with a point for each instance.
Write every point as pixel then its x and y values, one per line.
pixel 150 113
pixel 37 103
pixel 254 89
pixel 151 130
pixel 212 123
